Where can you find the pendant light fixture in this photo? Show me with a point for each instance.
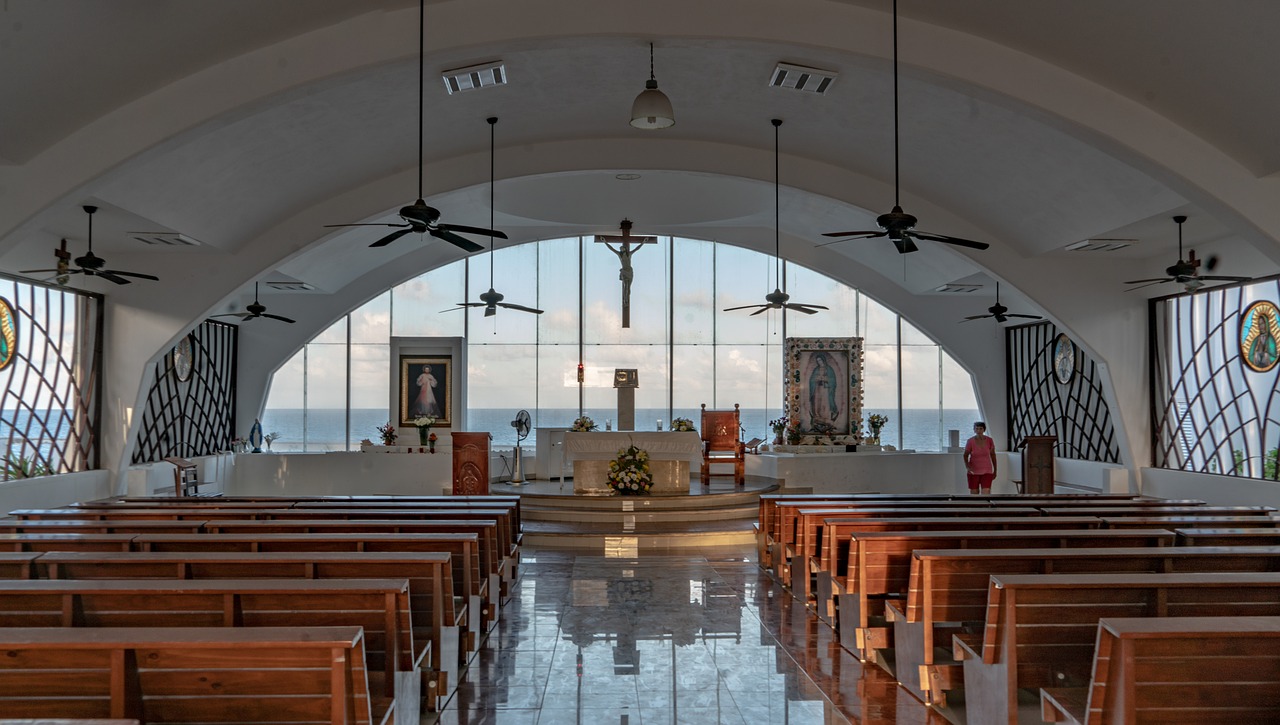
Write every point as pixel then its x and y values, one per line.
pixel 652 109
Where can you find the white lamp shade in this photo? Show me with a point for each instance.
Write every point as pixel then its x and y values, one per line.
pixel 652 109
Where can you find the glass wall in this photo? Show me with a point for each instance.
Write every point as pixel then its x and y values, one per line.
pixel 687 349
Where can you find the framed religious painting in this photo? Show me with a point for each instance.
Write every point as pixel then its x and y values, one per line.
pixel 1259 333
pixel 822 395
pixel 426 389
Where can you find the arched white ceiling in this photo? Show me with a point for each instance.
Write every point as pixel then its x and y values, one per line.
pixel 249 124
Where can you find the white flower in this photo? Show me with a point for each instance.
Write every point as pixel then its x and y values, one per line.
pixel 423 420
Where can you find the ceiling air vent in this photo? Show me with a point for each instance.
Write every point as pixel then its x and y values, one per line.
pixel 164 239
pixel 958 289
pixel 800 78
pixel 1101 245
pixel 475 76
pixel 283 286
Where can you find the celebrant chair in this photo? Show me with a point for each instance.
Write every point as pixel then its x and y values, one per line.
pixel 720 443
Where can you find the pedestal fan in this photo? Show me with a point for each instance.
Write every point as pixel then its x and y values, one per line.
pixel 521 424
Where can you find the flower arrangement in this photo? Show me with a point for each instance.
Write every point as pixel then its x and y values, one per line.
pixel 876 422
pixel 682 425
pixel 270 438
pixel 583 425
pixel 423 424
pixel 239 444
pixel 629 473
pixel 779 426
pixel 387 433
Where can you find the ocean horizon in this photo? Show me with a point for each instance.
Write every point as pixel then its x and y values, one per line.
pixel 320 430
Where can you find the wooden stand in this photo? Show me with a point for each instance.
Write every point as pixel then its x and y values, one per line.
pixel 470 464
pixel 1037 465
pixel 185 477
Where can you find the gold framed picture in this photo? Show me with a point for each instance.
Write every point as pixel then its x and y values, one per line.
pixel 426 389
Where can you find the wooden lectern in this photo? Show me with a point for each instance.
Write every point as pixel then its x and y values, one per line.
pixel 1037 465
pixel 470 464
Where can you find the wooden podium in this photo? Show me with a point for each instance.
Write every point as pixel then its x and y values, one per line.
pixel 1037 465
pixel 470 464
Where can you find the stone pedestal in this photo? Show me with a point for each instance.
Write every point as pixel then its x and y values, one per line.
pixel 626 409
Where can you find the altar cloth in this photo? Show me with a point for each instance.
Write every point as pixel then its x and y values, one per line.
pixel 669 456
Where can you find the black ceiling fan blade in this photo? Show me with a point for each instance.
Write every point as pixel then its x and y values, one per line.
pixel 522 308
pixel 800 308
pixel 862 235
pixel 1148 284
pixel 742 307
pixel 111 276
pixel 471 230
pixel 1224 278
pixel 957 241
pixel 277 317
pixel 241 315
pixel 138 275
pixel 1153 280
pixel 392 237
pixel 490 310
pixel 971 318
pixel 369 224
pixel 763 309
pixel 1027 317
pixel 455 240
pixel 43 271
pixel 873 233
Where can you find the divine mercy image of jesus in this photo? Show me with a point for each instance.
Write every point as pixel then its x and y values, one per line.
pixel 424 389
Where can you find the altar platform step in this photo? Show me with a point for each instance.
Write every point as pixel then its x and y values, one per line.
pixel 717 515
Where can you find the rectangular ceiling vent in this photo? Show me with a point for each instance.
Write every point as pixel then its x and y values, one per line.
pixel 1101 245
pixel 289 286
pixel 475 76
pixel 800 78
pixel 164 239
pixel 958 289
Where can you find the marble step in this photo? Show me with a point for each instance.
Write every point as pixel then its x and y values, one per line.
pixel 531 512
pixel 639 536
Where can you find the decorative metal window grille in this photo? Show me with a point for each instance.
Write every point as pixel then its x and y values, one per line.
pixel 1211 411
pixel 1076 412
pixel 195 417
pixel 51 382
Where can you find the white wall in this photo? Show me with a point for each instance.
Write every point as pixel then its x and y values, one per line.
pixel 51 491
pixel 1219 490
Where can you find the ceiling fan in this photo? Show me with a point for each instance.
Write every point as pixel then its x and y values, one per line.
pixel 90 265
pixel 257 309
pixel 898 225
pixel 1000 312
pixel 1186 273
pixel 777 299
pixel 418 217
pixel 492 299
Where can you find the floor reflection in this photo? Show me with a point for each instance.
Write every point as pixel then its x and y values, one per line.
pixel 660 640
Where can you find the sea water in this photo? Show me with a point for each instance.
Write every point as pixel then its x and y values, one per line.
pixel 327 429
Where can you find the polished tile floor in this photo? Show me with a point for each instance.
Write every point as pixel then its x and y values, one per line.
pixel 699 638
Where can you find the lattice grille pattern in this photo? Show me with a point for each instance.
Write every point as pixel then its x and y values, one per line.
pixel 196 417
pixel 50 393
pixel 1076 412
pixel 1210 412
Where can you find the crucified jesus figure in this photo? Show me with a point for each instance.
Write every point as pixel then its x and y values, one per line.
pixel 626 273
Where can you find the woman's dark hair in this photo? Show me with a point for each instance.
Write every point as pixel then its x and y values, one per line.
pixel 977 423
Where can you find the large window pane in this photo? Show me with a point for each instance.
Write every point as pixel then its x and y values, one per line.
pixel 744 375
pixel 371 322
pixel 418 303
pixel 558 293
pixel 557 386
pixel 651 397
pixel 879 324
pixel 284 409
pixel 501 380
pixel 694 381
pixel 743 277
pixel 921 407
pixel 326 386
pixel 515 277
pixel 807 286
pixel 370 381
pixel 694 291
pixel 880 389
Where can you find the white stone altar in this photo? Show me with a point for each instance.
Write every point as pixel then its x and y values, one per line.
pixel 669 456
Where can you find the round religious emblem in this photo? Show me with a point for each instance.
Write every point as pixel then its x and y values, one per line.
pixel 8 334
pixel 183 359
pixel 1064 359
pixel 1259 331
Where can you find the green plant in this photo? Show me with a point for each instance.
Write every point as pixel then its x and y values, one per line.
pixel 1268 463
pixel 18 466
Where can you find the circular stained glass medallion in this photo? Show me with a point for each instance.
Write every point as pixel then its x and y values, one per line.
pixel 1259 333
pixel 1064 359
pixel 8 334
pixel 183 359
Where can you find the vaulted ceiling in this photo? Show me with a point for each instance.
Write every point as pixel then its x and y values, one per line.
pixel 1032 124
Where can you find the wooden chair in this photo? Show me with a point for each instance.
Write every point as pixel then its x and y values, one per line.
pixel 720 443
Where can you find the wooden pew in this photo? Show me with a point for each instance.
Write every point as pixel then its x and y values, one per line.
pixel 464 549
pixel 486 529
pixel 66 542
pixel 880 569
pixel 430 575
pixel 105 526
pixel 810 534
pixel 1203 670
pixel 69 721
pixel 1040 630
pixel 1228 537
pixel 379 606
pixel 833 567
pixel 261 675
pixel 1129 510
pixel 948 594
pixel 18 565
pixel 1197 522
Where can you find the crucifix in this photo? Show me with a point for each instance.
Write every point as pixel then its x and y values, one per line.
pixel 624 250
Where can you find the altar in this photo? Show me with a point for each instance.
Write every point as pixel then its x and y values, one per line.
pixel 669 457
